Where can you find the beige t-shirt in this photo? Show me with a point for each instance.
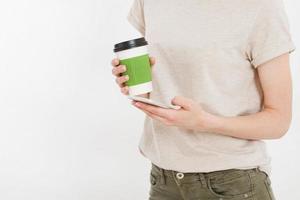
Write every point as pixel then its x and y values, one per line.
pixel 209 51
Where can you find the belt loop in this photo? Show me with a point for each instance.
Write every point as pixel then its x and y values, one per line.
pixel 202 179
pixel 253 171
pixel 256 169
pixel 163 176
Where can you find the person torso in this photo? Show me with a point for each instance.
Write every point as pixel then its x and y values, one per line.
pixel 200 48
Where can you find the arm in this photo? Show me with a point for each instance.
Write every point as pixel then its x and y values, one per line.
pixel 271 122
pixel 274 119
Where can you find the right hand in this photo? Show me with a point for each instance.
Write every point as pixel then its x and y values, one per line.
pixel 119 69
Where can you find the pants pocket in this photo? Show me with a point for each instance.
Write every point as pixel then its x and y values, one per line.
pixel 262 186
pixel 155 178
pixel 234 184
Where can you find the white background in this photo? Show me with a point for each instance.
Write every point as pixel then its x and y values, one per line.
pixel 65 132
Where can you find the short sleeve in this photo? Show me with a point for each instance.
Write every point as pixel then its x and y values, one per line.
pixel 270 36
pixel 136 16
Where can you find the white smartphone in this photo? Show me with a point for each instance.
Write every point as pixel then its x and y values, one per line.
pixel 154 103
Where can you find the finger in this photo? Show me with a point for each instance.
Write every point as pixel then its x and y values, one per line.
pixel 115 62
pixel 118 70
pixel 163 120
pixel 161 112
pixel 152 115
pixel 122 79
pixel 125 90
pixel 152 61
pixel 183 102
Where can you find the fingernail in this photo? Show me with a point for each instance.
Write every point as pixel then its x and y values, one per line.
pixel 124 68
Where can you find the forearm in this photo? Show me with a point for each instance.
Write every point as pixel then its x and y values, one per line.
pixel 267 124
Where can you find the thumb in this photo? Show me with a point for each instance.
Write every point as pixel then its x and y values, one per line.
pixel 185 103
pixel 152 61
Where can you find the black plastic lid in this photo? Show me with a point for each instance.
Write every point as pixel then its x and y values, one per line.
pixel 130 44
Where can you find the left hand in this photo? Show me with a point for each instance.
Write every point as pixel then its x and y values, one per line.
pixel 191 116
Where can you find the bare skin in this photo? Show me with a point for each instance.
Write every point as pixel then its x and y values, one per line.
pixel 272 122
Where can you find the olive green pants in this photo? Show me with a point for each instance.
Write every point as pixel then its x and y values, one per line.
pixel 234 184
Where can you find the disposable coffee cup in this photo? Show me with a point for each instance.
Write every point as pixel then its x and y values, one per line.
pixel 134 55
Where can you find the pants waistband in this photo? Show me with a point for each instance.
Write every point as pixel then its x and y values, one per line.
pixel 167 172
